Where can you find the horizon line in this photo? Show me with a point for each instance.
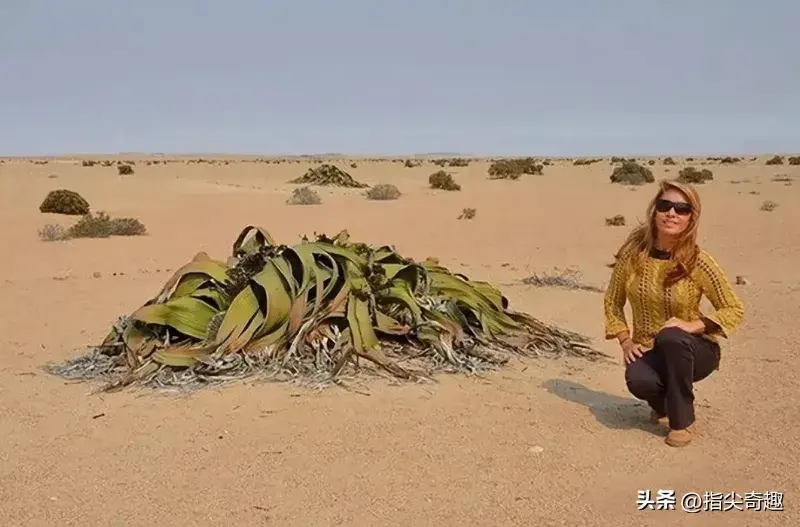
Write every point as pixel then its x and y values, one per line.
pixel 386 156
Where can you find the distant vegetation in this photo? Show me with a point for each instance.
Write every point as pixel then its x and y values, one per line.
pixel 632 173
pixel 64 201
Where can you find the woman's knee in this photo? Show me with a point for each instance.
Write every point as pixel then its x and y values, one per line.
pixel 641 381
pixel 672 338
pixel 642 388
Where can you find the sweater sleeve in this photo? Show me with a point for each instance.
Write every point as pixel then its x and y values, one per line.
pixel 716 287
pixel 615 298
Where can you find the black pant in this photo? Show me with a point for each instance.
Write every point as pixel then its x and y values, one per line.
pixel 664 375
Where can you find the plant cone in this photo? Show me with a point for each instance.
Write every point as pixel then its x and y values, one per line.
pixel 315 309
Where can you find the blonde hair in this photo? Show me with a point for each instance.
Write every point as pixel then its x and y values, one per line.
pixel 642 239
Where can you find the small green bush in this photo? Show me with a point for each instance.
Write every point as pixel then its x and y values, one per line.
pixel 443 180
pixel 103 226
pixel 304 196
pixel 694 176
pixel 383 192
pixel 514 168
pixel 64 201
pixel 53 233
pixel 632 173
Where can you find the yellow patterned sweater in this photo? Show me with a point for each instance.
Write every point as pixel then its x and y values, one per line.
pixel 652 303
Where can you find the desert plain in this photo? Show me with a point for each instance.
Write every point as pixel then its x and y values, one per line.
pixel 540 442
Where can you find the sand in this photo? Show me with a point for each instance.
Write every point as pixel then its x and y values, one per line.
pixel 542 442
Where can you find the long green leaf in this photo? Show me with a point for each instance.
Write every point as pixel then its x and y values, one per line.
pixel 190 316
pixel 242 319
pixel 277 296
pixel 360 322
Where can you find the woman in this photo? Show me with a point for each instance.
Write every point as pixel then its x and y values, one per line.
pixel 663 273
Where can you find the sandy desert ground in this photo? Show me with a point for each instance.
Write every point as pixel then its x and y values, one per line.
pixel 540 443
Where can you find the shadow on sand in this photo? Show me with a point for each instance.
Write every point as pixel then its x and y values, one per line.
pixel 611 411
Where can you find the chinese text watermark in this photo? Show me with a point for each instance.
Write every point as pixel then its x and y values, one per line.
pixel 709 501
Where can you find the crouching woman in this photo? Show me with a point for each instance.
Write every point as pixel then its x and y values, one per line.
pixel 663 273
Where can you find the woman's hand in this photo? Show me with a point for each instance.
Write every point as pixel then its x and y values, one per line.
pixel 631 351
pixel 696 327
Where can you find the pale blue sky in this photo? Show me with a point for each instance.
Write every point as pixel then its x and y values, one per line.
pixel 502 77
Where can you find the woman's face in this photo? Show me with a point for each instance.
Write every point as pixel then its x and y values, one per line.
pixel 673 213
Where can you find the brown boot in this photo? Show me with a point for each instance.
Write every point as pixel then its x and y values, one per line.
pixel 658 419
pixel 679 438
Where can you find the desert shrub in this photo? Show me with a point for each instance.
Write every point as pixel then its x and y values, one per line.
pixel 632 173
pixel 452 162
pixel 411 163
pixel 383 192
pixel 64 201
pixel 794 160
pixel 353 165
pixel 651 162
pixel 565 279
pixel 782 178
pixel 616 221
pixel 775 160
pixel 585 161
pixel 103 226
pixel 124 170
pixel 692 175
pixel 467 214
pixel 669 161
pixel 727 160
pixel 443 180
pixel 328 175
pixel 769 206
pixel 304 196
pixel 53 233
pixel 126 227
pixel 514 168
pixel 88 163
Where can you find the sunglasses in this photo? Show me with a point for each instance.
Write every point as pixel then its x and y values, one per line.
pixel 681 209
